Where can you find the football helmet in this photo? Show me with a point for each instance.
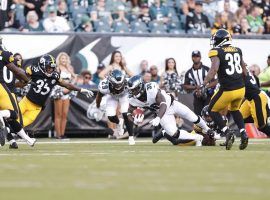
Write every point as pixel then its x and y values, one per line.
pixel 117 79
pixel 136 86
pixel 47 64
pixel 206 116
pixel 220 38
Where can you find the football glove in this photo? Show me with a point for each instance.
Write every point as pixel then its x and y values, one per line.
pixel 156 121
pixel 86 92
pixel 138 119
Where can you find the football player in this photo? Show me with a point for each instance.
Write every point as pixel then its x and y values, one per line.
pixel 8 107
pixel 115 89
pixel 255 108
pixel 44 77
pixel 227 62
pixel 148 95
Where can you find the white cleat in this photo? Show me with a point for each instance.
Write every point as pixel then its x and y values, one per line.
pixel 119 127
pixel 31 142
pixel 131 140
pixel 199 141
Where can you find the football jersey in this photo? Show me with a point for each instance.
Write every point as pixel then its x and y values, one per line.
pixel 252 88
pixel 230 70
pixel 105 87
pixel 40 91
pixel 6 57
pixel 152 89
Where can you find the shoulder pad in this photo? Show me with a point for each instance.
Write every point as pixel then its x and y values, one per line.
pixel 212 53
pixel 28 70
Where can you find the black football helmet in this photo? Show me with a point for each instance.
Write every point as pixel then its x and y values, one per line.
pixel 136 86
pixel 220 38
pixel 47 64
pixel 206 116
pixel 117 79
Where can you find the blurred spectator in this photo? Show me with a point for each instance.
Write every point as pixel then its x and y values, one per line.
pixel 96 78
pixel 210 9
pixel 196 21
pixel 227 5
pixel 37 5
pixel 12 23
pixel 87 80
pixel 54 23
pixel 154 74
pixel 143 67
pixel 267 25
pixel 85 25
pixel 159 11
pixel 145 16
pixel 240 14
pixel 194 78
pixel 188 6
pixel 32 23
pixel 246 4
pixel 255 69
pixel 147 77
pixel 222 21
pixel 242 28
pixel 62 10
pixel 62 99
pixel 121 15
pixel 255 20
pixel 103 13
pixel 264 76
pixel 265 5
pixel 117 62
pixel 227 9
pixel 170 79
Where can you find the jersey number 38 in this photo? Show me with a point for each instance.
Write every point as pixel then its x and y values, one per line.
pixel 234 62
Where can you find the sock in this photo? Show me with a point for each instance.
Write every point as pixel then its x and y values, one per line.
pixel 11 141
pixel 5 113
pixel 201 123
pixel 129 124
pixel 23 135
pixel 131 137
pixel 238 119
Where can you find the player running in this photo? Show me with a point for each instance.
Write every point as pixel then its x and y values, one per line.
pixel 115 89
pixel 149 96
pixel 227 62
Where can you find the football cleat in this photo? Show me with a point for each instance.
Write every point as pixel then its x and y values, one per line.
pixel 157 137
pixel 31 142
pixel 14 145
pixel 243 141
pixel 131 140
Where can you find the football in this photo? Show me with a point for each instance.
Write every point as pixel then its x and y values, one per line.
pixel 137 111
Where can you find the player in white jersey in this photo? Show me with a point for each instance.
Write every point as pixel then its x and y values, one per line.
pixel 148 95
pixel 115 89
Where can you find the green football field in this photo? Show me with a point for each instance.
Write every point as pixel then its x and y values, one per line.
pixel 101 169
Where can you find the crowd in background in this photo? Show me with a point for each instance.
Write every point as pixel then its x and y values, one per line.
pixel 136 16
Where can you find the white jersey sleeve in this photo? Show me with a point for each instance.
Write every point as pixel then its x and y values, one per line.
pixel 151 91
pixel 103 87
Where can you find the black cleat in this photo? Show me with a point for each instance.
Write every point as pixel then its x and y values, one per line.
pixel 14 145
pixel 243 141
pixel 157 137
pixel 229 139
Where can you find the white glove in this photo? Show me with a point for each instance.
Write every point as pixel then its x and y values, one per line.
pixel 86 92
pixel 156 121
pixel 138 119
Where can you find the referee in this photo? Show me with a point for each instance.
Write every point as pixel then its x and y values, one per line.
pixel 194 79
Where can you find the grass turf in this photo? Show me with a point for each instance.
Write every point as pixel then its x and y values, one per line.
pixel 95 169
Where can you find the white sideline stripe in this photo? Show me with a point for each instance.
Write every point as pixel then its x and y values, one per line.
pixel 251 141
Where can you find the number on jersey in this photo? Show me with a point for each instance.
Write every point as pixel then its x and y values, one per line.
pixel 234 61
pixel 42 87
pixel 7 75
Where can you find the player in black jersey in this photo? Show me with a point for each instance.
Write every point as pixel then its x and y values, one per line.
pixel 10 79
pixel 45 77
pixel 255 108
pixel 227 63
pixel 8 108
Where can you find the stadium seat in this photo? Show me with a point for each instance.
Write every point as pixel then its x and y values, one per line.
pixel 157 27
pixel 120 27
pixel 102 26
pixel 138 27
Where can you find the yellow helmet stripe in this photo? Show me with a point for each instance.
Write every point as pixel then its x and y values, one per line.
pixel 53 60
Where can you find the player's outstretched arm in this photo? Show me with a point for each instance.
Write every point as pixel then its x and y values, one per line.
pixel 213 70
pixel 161 101
pixel 70 86
pixel 265 84
pixel 20 73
